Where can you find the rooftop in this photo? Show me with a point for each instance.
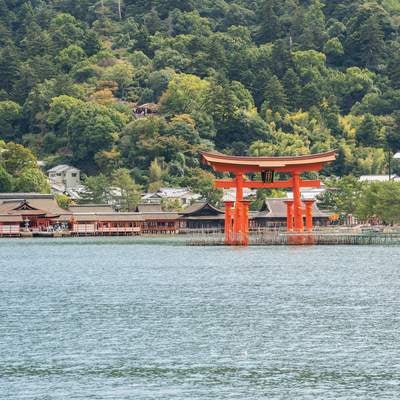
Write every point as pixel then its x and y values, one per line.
pixel 276 208
pixel 63 168
pixel 378 178
pixel 25 196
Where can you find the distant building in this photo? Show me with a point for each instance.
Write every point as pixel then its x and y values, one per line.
pixel 67 180
pixel 378 178
pixel 39 214
pixel 29 211
pixel 144 110
pixel 230 194
pixel 273 214
pixel 69 177
pixel 184 195
pixel 203 216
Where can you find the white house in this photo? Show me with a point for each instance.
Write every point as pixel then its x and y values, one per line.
pixel 65 175
pixel 184 195
pixel 378 178
pixel 66 179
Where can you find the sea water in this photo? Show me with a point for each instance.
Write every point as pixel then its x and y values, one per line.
pixel 132 318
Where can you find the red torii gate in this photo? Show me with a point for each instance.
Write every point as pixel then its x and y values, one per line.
pixel 236 213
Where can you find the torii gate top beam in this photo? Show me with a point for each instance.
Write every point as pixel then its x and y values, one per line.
pixel 240 164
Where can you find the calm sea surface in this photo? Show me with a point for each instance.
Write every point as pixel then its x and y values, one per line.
pixel 126 318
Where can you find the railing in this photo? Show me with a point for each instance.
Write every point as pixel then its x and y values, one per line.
pixel 119 229
pixel 10 230
pixel 93 229
pixel 84 228
pixel 154 229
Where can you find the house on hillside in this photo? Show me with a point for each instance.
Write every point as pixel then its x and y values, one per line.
pixel 230 194
pixel 67 180
pixel 184 195
pixel 144 110
pixel 378 178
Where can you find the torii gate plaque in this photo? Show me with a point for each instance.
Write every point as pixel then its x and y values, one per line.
pixel 236 213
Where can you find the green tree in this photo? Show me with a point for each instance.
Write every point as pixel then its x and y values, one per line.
pixel 122 73
pixel 343 195
pixel 202 182
pixel 16 158
pixel 270 26
pixel 70 56
pixel 129 196
pixel 292 89
pixel 368 133
pixel 10 115
pixel 156 174
pixel 333 48
pixel 275 96
pixel 90 131
pixel 314 33
pixel 380 200
pixel 6 181
pixel 185 94
pixel 32 180
pixel 98 189
pixel 64 201
pixel 366 43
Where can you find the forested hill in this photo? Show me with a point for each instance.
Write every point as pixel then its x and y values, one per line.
pixel 261 77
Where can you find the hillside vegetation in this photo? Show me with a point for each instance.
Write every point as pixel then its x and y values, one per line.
pixel 259 77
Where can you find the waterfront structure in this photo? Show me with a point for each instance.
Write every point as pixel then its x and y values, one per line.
pixel 10 225
pixel 66 179
pixel 33 212
pixel 237 213
pixel 202 216
pixel 156 221
pixel 101 219
pixel 273 214
pixel 39 215
pixel 106 223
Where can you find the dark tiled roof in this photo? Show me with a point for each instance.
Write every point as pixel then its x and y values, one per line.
pixel 24 196
pixel 202 208
pixel 276 208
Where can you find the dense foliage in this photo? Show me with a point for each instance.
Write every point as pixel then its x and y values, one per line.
pixel 241 76
pixel 19 170
pixel 379 201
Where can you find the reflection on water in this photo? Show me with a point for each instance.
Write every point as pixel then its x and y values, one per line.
pixel 136 318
